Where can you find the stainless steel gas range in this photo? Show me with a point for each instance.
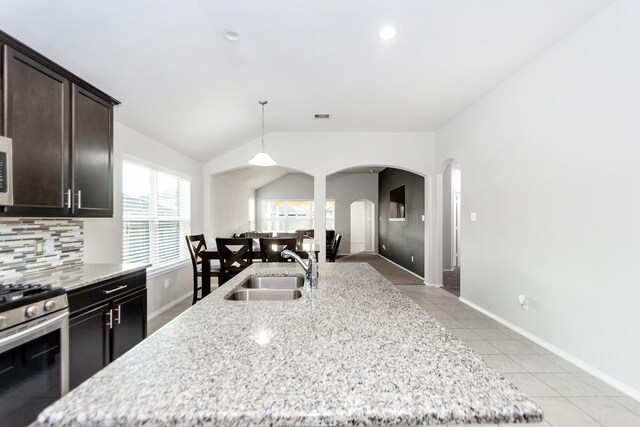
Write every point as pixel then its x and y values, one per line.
pixel 34 350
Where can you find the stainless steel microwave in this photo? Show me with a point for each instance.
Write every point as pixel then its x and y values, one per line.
pixel 6 171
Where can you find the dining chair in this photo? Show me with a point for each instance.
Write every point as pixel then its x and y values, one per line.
pixel 297 235
pixel 235 254
pixel 270 248
pixel 196 244
pixel 334 248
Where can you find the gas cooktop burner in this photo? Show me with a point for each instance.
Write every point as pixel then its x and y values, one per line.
pixel 22 302
pixel 15 292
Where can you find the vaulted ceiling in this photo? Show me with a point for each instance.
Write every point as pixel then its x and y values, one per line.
pixel 184 84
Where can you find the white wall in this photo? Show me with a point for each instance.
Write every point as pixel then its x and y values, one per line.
pixel 230 206
pixel 550 161
pixel 323 153
pixel 103 237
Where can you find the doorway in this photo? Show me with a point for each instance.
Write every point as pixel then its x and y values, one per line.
pixel 452 229
pixel 362 226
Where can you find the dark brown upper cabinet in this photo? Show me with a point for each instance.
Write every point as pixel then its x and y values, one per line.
pixel 62 133
pixel 37 116
pixel 92 149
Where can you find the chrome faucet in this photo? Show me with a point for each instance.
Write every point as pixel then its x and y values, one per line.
pixel 311 270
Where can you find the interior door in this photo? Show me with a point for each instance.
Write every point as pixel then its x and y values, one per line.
pixel 358 226
pixel 456 229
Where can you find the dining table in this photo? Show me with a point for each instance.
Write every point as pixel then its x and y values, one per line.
pixel 213 254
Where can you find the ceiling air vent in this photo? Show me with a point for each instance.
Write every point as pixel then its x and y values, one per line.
pixel 322 116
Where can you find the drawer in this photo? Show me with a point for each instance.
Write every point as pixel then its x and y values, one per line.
pixel 89 296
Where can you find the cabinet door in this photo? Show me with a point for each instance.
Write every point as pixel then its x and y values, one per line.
pixel 37 110
pixel 89 344
pixel 130 322
pixel 92 154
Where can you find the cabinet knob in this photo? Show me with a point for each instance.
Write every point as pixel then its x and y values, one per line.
pixel 31 311
pixel 49 305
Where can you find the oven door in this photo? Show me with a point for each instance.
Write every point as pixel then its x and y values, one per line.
pixel 34 369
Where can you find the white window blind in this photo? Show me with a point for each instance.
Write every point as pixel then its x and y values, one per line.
pixel 156 211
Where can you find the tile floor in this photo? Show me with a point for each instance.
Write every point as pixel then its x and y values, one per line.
pixel 568 396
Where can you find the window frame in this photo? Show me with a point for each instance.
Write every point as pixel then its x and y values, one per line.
pixel 163 268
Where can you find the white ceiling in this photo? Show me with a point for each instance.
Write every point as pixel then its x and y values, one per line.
pixel 183 84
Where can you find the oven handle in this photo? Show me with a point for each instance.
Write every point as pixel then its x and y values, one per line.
pixel 29 333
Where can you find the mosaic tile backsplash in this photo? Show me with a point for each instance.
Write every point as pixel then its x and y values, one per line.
pixel 63 242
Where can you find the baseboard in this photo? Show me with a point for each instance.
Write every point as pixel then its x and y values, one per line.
pixel 168 306
pixel 635 394
pixel 405 269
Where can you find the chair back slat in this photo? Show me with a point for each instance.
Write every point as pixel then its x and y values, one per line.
pixel 235 254
pixel 270 248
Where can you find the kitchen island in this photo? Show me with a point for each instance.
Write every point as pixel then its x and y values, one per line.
pixel 354 351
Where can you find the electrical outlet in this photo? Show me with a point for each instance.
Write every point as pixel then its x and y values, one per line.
pixel 422 218
pixel 411 258
pixel 166 283
pixel 384 247
pixel 38 246
pixel 524 301
pixel 474 216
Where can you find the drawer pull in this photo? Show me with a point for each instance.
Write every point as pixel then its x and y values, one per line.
pixel 110 321
pixel 119 288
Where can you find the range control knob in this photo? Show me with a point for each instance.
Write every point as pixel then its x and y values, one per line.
pixel 31 311
pixel 49 305
pixel 3 321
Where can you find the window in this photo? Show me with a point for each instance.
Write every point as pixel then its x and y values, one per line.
pixel 287 216
pixel 156 213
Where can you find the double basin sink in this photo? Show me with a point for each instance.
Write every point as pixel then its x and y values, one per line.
pixel 281 288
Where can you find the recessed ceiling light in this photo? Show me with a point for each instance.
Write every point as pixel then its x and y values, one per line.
pixel 232 36
pixel 387 33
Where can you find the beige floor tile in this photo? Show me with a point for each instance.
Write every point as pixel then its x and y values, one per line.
pixel 490 334
pixel 465 334
pixel 535 363
pixel 482 347
pixel 607 411
pixel 450 323
pixel 559 412
pixel 629 403
pixel 511 347
pixel 531 386
pixel 502 363
pixel 567 366
pixel 605 388
pixel 568 384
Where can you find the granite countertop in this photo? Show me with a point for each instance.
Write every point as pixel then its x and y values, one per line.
pixel 77 276
pixel 355 351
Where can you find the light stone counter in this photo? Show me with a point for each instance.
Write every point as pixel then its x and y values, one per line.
pixel 77 276
pixel 355 351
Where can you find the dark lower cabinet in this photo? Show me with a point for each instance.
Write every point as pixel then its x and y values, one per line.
pixel 107 319
pixel 129 326
pixel 89 340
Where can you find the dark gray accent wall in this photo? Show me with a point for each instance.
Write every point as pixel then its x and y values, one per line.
pixel 399 240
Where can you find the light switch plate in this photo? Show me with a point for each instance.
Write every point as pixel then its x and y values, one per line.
pixel 474 216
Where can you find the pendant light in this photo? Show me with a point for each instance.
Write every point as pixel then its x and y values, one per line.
pixel 262 158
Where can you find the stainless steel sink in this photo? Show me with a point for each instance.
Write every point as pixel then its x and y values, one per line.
pixel 263 294
pixel 288 282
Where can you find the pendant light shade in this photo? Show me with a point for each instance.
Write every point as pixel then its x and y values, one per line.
pixel 262 158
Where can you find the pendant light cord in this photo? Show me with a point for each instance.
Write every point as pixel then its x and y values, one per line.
pixel 262 139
